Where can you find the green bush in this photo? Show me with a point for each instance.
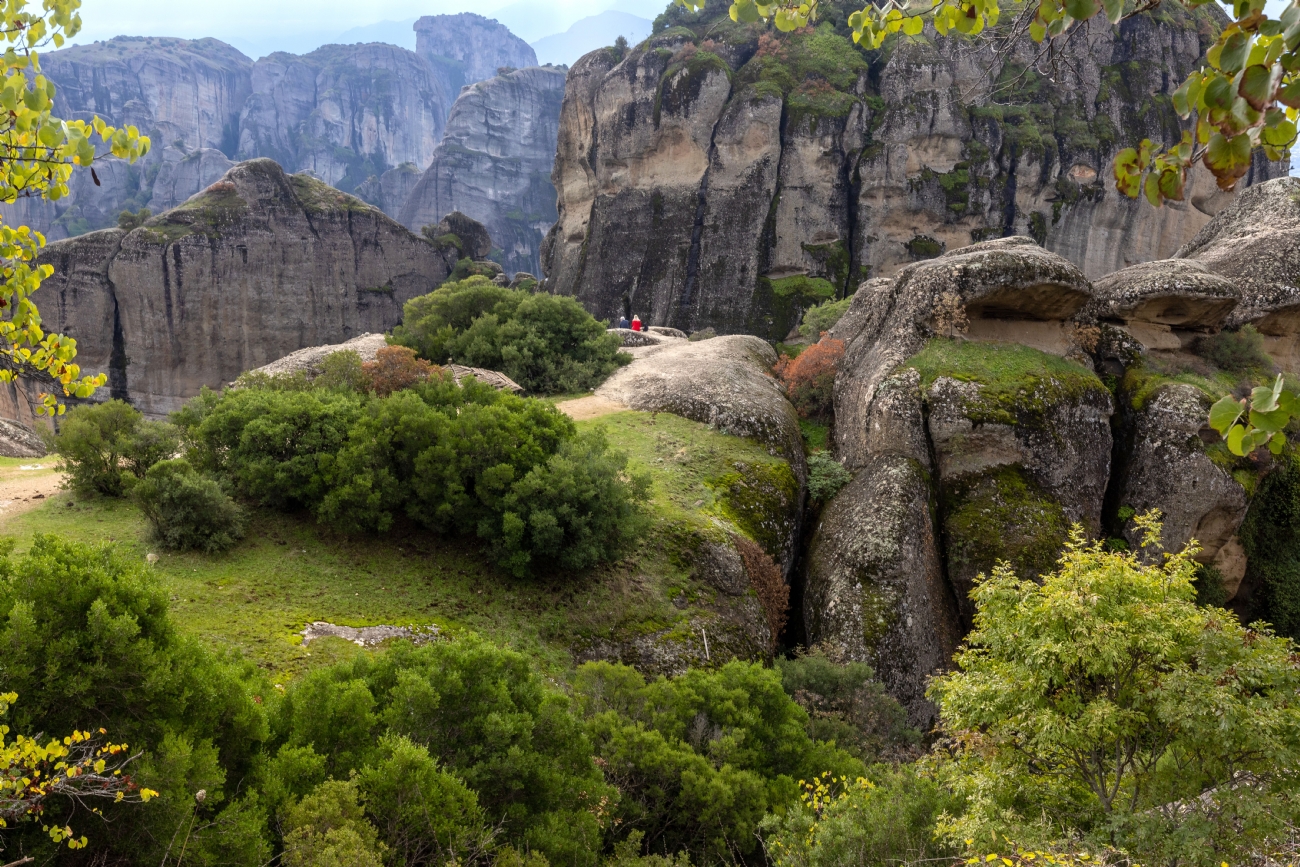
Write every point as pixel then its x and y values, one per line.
pixel 329 829
pixel 342 371
pixel 1240 351
pixel 702 757
pixel 88 643
pixel 99 443
pixel 887 819
pixel 1270 535
pixel 548 344
pixel 825 477
pixel 275 447
pixel 484 715
pixel 847 706
pixel 575 510
pixel 822 318
pixel 187 511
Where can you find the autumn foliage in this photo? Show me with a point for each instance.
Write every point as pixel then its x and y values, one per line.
pixel 809 378
pixel 768 583
pixel 396 368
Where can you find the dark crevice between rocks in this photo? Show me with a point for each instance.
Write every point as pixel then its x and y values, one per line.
pixel 1009 209
pixel 938 518
pixel 795 633
pixel 852 183
pixel 117 359
pixel 697 230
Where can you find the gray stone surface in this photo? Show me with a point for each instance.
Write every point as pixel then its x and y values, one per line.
pixel 466 48
pixel 1178 293
pixel 495 161
pixel 260 265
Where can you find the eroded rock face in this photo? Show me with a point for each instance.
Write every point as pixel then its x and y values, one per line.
pixel 467 48
pixel 965 452
pixel 1010 290
pixel 735 204
pixel 495 161
pixel 259 265
pixel 344 112
pixel 1166 467
pixel 1255 243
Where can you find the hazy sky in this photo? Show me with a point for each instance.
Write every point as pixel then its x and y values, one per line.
pixel 258 27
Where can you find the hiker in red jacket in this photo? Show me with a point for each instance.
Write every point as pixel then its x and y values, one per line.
pixel 636 323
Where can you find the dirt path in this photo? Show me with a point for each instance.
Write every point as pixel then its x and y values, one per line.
pixel 591 406
pixel 26 483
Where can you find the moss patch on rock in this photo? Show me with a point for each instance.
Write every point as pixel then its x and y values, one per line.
pixel 1001 514
pixel 1019 383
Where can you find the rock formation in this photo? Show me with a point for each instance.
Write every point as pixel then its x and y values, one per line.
pixel 495 161
pixel 715 178
pixel 344 112
pixel 466 48
pixel 260 264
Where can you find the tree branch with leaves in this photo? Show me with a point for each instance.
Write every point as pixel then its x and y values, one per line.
pixel 38 153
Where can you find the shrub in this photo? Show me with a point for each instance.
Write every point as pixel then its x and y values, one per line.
pixel 275 447
pixel 887 819
pixel 809 379
pixel 548 344
pixel 823 317
pixel 846 705
pixel 329 829
pixel 574 510
pixel 1107 656
pixel 97 443
pixel 342 371
pixel 826 476
pixel 187 511
pixel 1240 351
pixel 395 368
pixel 701 757
pixel 128 220
pixel 484 715
pixel 768 583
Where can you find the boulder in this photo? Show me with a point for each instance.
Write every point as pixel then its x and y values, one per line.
pixel 1255 243
pixel 474 240
pixel 1164 304
pixel 1166 466
pixel 725 383
pixel 20 441
pixel 308 360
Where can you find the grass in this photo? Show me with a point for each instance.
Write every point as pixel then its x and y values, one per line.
pixel 1018 382
pixel 290 570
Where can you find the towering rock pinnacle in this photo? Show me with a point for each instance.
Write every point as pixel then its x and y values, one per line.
pixel 466 48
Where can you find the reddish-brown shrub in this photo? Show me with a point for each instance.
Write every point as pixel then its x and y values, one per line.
pixel 768 583
pixel 809 378
pixel 396 368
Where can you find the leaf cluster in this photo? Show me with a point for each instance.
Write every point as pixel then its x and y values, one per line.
pixel 548 344
pixel 103 448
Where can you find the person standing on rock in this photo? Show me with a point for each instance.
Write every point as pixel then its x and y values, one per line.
pixel 636 323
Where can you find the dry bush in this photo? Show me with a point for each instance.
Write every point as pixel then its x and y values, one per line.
pixel 950 315
pixel 396 368
pixel 768 583
pixel 809 378
pixel 1085 337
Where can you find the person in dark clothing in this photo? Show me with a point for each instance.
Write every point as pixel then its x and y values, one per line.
pixel 622 322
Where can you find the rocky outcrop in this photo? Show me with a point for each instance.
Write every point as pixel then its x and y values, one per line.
pixel 468 48
pixel 260 264
pixel 965 452
pixel 495 161
pixel 705 180
pixel 344 112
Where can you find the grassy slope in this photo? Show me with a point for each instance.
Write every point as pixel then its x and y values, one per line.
pixel 290 571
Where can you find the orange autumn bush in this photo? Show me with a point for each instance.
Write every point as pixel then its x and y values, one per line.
pixel 809 378
pixel 396 368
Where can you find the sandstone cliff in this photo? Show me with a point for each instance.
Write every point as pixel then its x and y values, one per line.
pixel 344 112
pixel 495 161
pixel 260 264
pixel 466 48
pixel 721 175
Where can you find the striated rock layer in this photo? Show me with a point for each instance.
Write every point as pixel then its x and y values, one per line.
pixel 260 264
pixel 494 163
pixel 466 48
pixel 720 175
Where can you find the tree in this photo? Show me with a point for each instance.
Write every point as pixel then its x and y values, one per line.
pixel 37 158
pixel 1104 704
pixel 1245 98
pixel 82 766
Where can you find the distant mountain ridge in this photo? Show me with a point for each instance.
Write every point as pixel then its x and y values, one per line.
pixel 592 32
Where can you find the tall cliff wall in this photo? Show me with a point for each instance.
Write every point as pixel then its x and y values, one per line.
pixel 723 175
pixel 467 48
pixel 495 161
pixel 259 265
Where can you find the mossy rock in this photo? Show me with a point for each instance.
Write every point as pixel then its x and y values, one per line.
pixel 762 500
